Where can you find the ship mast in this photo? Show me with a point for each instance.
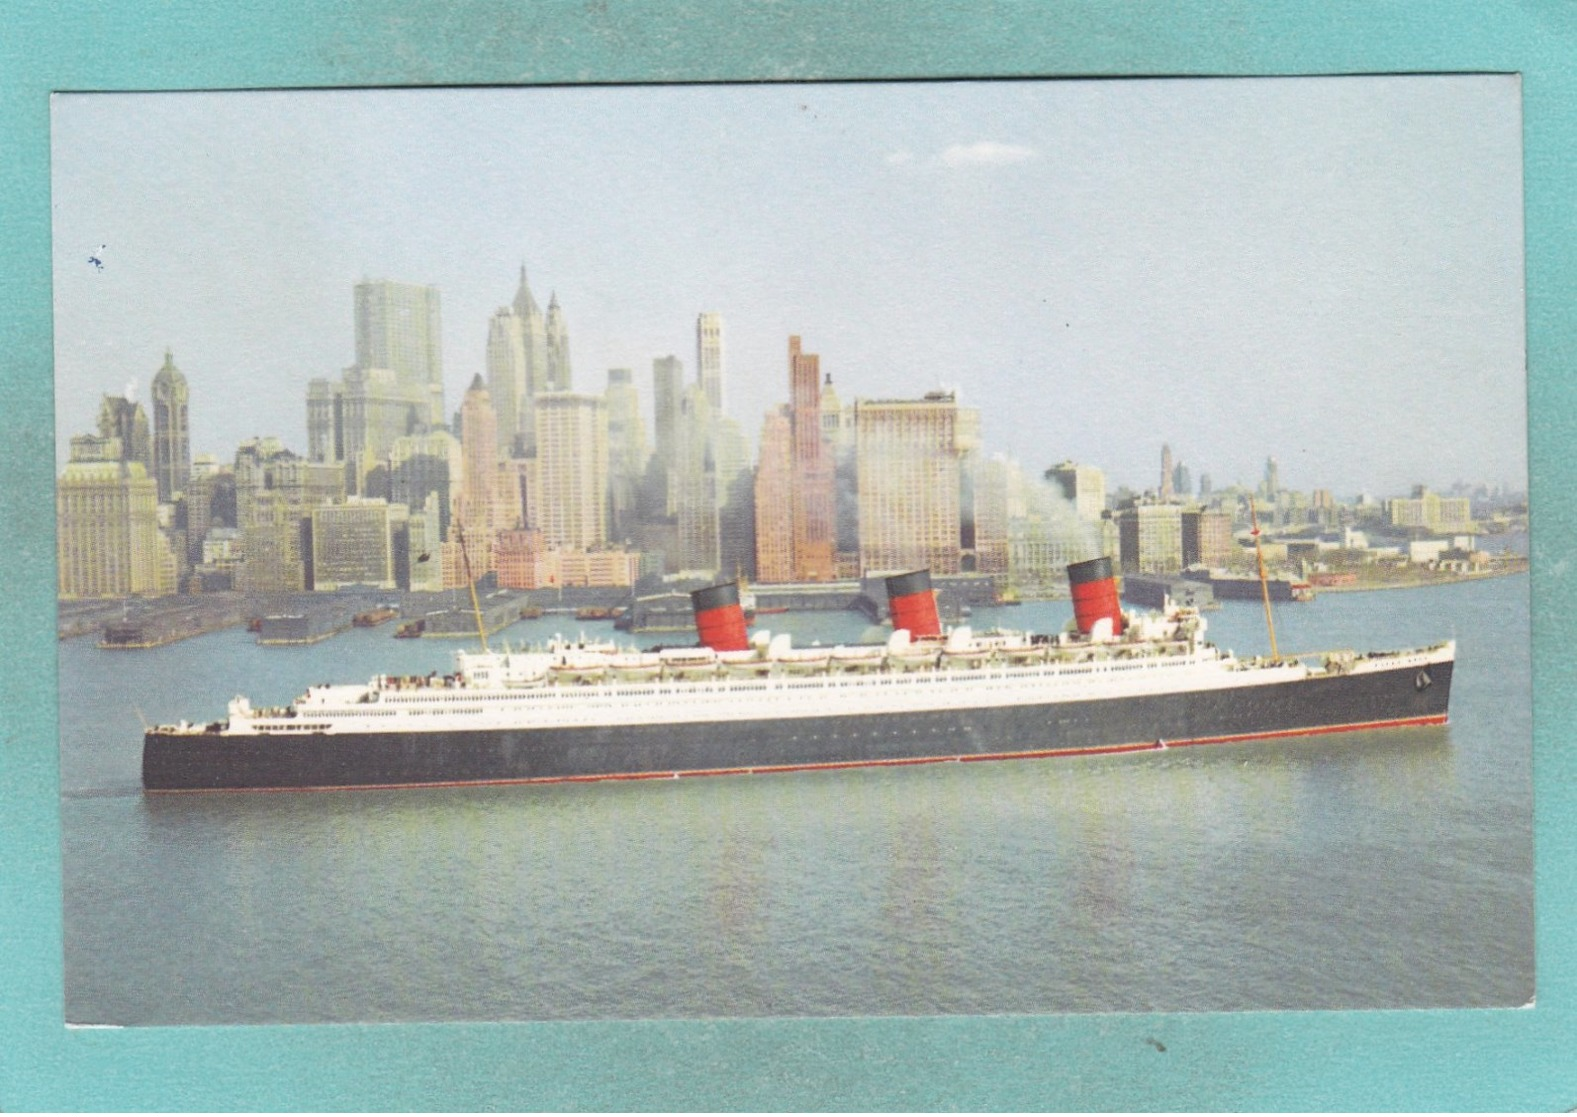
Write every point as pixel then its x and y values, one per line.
pixel 465 560
pixel 1264 586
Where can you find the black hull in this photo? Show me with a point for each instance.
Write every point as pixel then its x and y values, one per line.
pixel 174 762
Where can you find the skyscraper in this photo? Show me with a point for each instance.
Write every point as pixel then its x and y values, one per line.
pixel 774 499
pixel 1207 538
pixel 210 502
pixel 423 566
pixel 813 476
pixel 398 328
pixel 478 486
pixel 709 358
pixel 1151 538
pixel 534 329
pixel 1082 485
pixel 736 526
pixel 353 544
pixel 122 417
pixel 911 474
pixel 667 398
pixel 572 454
pixel 107 537
pixel 276 492
pixel 506 378
pixel 695 484
pixel 172 450
pixel 534 338
pixel 627 453
pixel 1166 471
pixel 427 468
pixel 359 419
pixel 730 452
pixel 837 428
pixel 559 378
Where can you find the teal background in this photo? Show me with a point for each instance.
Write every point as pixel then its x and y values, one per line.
pixel 1521 1059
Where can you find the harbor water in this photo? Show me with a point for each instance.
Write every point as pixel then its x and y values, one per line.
pixel 1363 870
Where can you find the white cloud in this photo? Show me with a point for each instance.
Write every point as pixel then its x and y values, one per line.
pixel 986 153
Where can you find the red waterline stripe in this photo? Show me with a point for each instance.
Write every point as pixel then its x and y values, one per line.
pixel 836 765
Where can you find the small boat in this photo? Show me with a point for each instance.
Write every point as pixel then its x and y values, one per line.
pixel 585 668
pixel 635 666
pixel 411 629
pixel 747 664
pixel 858 658
pixel 802 660
pixel 688 663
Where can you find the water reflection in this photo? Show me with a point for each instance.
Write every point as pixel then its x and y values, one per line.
pixel 1388 868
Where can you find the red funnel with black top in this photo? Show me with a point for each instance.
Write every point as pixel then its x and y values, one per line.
pixel 719 618
pixel 1094 587
pixel 913 604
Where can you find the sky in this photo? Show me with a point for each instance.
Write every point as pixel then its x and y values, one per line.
pixel 1327 270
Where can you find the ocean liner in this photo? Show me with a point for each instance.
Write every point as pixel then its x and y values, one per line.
pixel 737 703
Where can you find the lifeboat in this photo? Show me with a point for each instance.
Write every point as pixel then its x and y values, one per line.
pixel 688 663
pixel 635 666
pixel 967 655
pixel 749 664
pixel 858 658
pixel 1025 653
pixel 802 661
pixel 583 668
pixel 915 657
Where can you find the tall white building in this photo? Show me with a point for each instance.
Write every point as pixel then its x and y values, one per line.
pixel 695 484
pixel 534 338
pixel 571 507
pixel 709 358
pixel 627 452
pixel 506 377
pixel 398 327
pixel 559 378
pixel 912 457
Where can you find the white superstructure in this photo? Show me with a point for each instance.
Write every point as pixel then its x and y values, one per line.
pixel 581 684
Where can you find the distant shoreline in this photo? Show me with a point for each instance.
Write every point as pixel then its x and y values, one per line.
pixel 1420 584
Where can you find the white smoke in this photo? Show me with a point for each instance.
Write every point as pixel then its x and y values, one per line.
pixel 1045 504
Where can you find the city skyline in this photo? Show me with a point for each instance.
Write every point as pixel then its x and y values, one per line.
pixel 1374 230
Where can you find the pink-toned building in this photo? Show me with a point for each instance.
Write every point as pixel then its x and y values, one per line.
pixel 812 505
pixel 478 485
pixel 516 553
pixel 523 561
pixel 774 500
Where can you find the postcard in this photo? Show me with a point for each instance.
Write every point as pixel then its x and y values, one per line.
pixel 793 550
